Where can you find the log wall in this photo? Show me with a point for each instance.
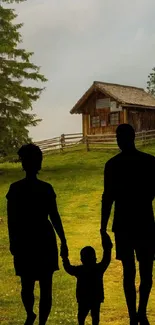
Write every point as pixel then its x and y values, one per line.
pixel 141 119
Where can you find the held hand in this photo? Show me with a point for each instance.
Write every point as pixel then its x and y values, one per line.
pixel 106 240
pixel 64 250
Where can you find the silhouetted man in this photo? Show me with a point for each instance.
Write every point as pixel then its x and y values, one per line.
pixel 129 181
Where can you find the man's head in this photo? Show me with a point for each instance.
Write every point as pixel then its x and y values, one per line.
pixel 31 158
pixel 125 137
pixel 88 255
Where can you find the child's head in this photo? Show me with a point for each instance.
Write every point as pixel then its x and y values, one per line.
pixel 88 255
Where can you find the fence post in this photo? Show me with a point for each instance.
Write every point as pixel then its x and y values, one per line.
pixel 62 142
pixel 144 137
pixel 87 143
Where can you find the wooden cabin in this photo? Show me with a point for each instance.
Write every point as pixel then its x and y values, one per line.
pixel 104 106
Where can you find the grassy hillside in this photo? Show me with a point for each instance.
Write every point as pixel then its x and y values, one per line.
pixel 77 178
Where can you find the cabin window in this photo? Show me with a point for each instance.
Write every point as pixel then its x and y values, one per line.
pixel 103 122
pixel 95 121
pixel 114 118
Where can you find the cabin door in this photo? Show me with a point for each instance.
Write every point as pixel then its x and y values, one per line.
pixel 134 120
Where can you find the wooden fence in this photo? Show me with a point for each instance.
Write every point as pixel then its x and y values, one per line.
pixel 108 141
pixel 60 143
pixel 97 141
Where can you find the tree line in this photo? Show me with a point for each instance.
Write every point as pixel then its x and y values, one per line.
pixel 17 76
pixel 17 94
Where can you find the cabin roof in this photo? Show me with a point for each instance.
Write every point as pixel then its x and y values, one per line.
pixel 125 95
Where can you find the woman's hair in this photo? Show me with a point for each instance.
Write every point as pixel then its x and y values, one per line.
pixel 31 157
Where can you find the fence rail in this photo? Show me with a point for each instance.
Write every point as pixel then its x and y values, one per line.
pixel 60 143
pixel 97 141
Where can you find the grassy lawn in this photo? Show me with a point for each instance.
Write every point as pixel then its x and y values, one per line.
pixel 77 178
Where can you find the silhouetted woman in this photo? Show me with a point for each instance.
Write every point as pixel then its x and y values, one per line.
pixel 32 236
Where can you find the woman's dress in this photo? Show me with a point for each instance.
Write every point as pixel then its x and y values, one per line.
pixel 32 236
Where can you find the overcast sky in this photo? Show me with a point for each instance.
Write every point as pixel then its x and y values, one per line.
pixel 78 41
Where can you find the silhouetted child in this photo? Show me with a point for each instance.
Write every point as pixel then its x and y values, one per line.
pixel 89 290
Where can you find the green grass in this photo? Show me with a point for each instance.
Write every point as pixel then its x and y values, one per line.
pixel 77 178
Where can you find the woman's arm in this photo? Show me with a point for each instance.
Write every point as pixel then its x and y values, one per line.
pixel 57 224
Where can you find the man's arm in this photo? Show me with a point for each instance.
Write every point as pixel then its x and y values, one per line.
pixel 11 220
pixel 107 246
pixel 107 197
pixel 70 269
pixel 153 177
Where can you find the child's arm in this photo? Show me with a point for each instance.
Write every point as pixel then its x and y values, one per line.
pixel 70 269
pixel 107 246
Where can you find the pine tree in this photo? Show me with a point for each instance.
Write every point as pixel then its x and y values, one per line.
pixel 151 82
pixel 17 73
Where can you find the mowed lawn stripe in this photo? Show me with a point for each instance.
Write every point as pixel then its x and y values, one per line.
pixel 77 178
